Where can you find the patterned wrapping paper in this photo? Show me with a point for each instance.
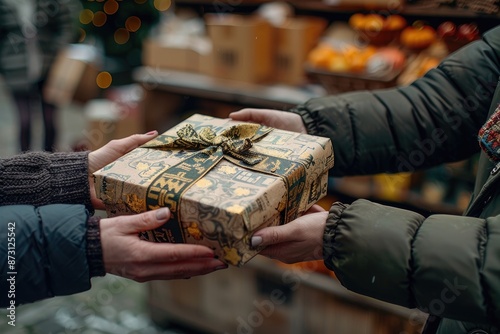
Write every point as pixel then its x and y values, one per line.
pixel 222 181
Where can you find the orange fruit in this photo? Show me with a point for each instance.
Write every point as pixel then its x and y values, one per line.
pixel 320 56
pixel 395 22
pixel 373 22
pixel 357 21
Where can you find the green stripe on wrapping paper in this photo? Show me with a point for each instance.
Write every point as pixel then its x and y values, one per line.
pixel 167 189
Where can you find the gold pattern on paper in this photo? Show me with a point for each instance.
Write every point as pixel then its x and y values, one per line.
pixel 236 209
pixel 242 191
pixel 203 183
pixel 135 203
pixel 231 255
pixel 142 166
pixel 194 231
pixel 229 170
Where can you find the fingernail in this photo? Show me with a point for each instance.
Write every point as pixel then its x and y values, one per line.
pixel 150 133
pixel 221 267
pixel 255 241
pixel 162 214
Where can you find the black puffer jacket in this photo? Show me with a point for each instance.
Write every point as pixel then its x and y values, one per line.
pixel 448 266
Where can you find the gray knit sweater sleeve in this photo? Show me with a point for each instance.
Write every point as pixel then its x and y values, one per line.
pixel 41 178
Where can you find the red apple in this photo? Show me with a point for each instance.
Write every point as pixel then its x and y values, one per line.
pixel 468 32
pixel 446 29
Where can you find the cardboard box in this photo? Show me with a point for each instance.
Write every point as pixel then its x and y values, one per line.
pixel 114 117
pixel 188 54
pixel 242 47
pixel 294 39
pixel 72 77
pixel 219 199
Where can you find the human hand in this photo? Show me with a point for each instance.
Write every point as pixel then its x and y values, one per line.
pixel 126 255
pixel 109 153
pixel 283 120
pixel 299 240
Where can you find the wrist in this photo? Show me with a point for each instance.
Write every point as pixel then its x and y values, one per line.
pixel 94 247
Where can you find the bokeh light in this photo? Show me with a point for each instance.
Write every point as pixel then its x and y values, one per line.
pixel 99 19
pixel 111 7
pixel 104 80
pixel 121 36
pixel 162 5
pixel 86 16
pixel 133 23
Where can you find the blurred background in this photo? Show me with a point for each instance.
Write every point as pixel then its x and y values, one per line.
pixel 135 66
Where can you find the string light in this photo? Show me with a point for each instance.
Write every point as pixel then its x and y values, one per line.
pixel 99 19
pixel 104 80
pixel 133 23
pixel 86 16
pixel 121 36
pixel 162 5
pixel 111 7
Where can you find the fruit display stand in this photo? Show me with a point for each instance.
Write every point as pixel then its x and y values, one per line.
pixel 263 297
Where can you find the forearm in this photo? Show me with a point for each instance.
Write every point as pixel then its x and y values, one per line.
pixel 441 264
pixel 40 178
pixel 48 245
pixel 432 121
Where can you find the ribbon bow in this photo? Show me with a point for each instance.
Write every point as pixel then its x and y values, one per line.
pixel 235 141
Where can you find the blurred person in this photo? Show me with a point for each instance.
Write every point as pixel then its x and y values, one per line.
pixel 53 245
pixel 32 33
pixel 447 266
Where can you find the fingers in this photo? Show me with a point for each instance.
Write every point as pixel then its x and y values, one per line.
pixel 250 115
pixel 178 270
pixel 273 235
pixel 315 208
pixel 146 221
pixel 166 252
pixel 127 144
pixel 116 148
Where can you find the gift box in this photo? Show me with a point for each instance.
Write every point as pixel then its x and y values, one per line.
pixel 222 181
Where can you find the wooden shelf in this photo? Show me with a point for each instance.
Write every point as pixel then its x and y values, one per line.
pixel 203 86
pixel 320 6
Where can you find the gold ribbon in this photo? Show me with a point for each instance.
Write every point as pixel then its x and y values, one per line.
pixel 235 141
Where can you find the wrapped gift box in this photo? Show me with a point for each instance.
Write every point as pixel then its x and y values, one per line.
pixel 222 181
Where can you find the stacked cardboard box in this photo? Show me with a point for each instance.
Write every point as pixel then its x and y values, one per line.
pixel 245 48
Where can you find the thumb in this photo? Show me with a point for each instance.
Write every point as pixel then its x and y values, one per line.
pixel 145 221
pixel 269 236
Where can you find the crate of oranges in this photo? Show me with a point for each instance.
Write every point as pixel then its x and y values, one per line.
pixel 349 67
pixel 377 29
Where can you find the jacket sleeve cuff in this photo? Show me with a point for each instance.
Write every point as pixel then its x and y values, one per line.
pixel 309 122
pixel 70 179
pixel 331 231
pixel 94 249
